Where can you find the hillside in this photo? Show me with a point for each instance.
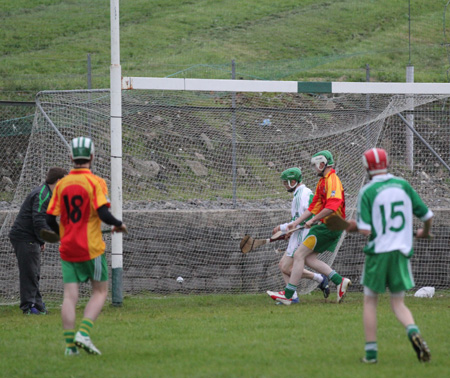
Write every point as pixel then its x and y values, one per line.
pixel 44 43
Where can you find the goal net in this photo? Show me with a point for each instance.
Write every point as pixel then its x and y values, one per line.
pixel 201 168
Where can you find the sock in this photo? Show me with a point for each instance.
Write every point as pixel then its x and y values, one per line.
pixel 335 278
pixel 289 290
pixel 412 328
pixel 69 335
pixel 371 350
pixel 86 326
pixel 318 278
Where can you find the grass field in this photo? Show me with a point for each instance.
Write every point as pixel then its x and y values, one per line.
pixel 228 336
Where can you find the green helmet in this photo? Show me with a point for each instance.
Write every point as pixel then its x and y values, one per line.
pixel 322 157
pixel 292 174
pixel 82 148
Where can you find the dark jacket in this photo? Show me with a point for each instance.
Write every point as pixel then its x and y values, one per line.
pixel 31 217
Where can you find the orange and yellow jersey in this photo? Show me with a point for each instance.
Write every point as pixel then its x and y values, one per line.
pixel 76 199
pixel 329 194
pixel 102 185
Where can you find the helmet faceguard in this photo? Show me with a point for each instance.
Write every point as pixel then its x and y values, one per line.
pixel 325 157
pixel 292 174
pixel 375 161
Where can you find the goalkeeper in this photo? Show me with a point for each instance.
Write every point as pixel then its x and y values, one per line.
pixel 79 199
pixel 385 213
pixel 292 181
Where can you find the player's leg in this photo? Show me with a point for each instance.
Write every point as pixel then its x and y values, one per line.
pixel 285 266
pixel 97 300
pixel 28 257
pixel 400 280
pixel 97 270
pixel 298 269
pixel 370 325
pixel 68 317
pixel 320 240
pixel 322 279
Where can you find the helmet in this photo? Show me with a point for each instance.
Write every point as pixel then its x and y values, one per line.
pixel 375 161
pixel 322 157
pixel 292 174
pixel 82 148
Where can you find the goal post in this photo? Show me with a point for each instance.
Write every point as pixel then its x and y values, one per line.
pixel 181 142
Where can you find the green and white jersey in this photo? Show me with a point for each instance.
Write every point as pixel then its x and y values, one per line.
pixel 385 208
pixel 300 203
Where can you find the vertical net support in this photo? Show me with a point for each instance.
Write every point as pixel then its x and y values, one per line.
pixel 116 156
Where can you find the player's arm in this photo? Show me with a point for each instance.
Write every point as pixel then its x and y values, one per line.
pixel 106 217
pixel 322 214
pixel 424 233
pixel 421 211
pixel 300 219
pixel 52 223
pixel 38 215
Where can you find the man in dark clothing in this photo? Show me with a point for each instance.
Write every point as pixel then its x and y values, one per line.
pixel 27 243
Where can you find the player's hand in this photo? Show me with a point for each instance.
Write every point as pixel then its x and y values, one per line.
pixel 420 234
pixel 291 226
pixel 42 247
pixel 121 228
pixel 310 223
pixel 275 230
pixel 352 226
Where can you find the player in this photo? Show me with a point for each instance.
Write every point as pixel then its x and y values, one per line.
pixel 79 199
pixel 385 213
pixel 328 199
pixel 292 181
pixel 28 245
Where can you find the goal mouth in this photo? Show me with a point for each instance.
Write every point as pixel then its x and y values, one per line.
pixel 201 168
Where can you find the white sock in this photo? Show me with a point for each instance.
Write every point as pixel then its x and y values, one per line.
pixel 318 278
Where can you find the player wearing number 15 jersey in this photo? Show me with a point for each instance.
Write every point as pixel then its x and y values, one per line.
pixel 385 210
pixel 80 201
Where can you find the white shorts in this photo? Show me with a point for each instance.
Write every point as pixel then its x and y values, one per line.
pixel 295 241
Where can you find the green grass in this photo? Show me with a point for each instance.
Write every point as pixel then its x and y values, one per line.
pixel 44 43
pixel 228 336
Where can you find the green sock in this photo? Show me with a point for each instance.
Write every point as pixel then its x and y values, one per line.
pixel 69 335
pixel 412 328
pixel 335 278
pixel 371 350
pixel 289 290
pixel 86 326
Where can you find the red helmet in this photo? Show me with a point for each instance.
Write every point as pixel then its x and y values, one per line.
pixel 376 161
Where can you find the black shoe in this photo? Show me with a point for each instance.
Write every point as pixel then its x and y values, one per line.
pixel 420 347
pixel 325 286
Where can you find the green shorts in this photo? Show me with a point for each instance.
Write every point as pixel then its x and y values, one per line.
pixel 391 269
pixel 76 272
pixel 321 239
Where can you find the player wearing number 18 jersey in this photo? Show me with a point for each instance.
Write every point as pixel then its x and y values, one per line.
pixel 77 199
pixel 385 210
pixel 82 205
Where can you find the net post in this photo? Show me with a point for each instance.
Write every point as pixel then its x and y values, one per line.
pixel 233 125
pixel 409 136
pixel 116 155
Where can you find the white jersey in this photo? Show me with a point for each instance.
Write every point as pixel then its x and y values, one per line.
pixel 300 203
pixel 386 206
